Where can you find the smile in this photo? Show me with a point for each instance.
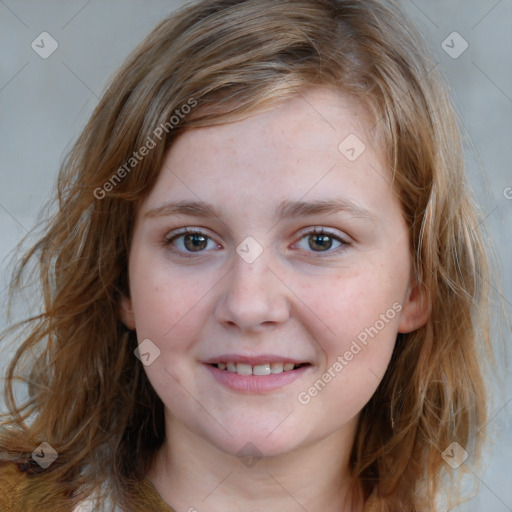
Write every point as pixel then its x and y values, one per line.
pixel 258 369
pixel 256 374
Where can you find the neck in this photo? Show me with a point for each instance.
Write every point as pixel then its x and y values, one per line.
pixel 195 475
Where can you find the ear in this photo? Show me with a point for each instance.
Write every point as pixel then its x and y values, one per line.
pixel 126 311
pixel 415 311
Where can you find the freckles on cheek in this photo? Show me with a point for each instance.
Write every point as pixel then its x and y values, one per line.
pixel 350 307
pixel 166 300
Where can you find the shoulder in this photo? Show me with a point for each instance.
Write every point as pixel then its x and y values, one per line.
pixel 13 485
pixel 148 498
pixel 20 492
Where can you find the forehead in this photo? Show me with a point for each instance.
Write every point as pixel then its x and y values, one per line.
pixel 316 120
pixel 314 146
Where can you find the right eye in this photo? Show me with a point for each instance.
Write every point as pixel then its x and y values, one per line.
pixel 189 241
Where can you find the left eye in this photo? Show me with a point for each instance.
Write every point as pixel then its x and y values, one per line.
pixel 191 241
pixel 320 240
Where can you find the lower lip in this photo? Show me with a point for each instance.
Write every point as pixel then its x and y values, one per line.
pixel 254 384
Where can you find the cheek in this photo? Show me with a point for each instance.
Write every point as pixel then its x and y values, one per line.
pixel 165 300
pixel 361 310
pixel 169 308
pixel 365 325
pixel 354 302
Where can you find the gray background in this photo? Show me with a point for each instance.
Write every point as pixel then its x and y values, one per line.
pixel 44 104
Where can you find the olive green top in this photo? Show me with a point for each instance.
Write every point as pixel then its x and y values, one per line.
pixel 20 492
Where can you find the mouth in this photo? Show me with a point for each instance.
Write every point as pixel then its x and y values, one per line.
pixel 258 369
pixel 256 374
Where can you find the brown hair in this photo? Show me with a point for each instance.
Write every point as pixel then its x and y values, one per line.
pixel 89 396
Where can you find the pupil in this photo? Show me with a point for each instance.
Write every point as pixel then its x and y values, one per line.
pixel 323 242
pixel 195 242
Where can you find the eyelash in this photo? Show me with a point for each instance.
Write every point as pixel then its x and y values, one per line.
pixel 168 241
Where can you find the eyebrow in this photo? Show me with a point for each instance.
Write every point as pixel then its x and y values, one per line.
pixel 286 209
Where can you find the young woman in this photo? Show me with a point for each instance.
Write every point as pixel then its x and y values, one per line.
pixel 264 287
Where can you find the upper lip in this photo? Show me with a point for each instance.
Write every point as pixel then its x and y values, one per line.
pixel 253 360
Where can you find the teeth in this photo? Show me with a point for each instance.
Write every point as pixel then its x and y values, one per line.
pixel 261 369
pixel 243 369
pixel 257 369
pixel 276 367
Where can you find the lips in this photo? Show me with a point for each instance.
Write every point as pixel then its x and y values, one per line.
pixel 255 374
pixel 264 364
pixel 258 369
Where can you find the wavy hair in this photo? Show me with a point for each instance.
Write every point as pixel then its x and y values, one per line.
pixel 89 396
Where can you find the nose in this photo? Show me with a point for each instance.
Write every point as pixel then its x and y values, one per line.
pixel 254 298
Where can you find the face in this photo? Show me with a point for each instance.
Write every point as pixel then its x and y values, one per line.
pixel 267 244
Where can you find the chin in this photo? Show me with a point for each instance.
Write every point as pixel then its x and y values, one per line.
pixel 252 443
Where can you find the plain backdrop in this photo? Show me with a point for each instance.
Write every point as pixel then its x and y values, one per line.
pixel 44 104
